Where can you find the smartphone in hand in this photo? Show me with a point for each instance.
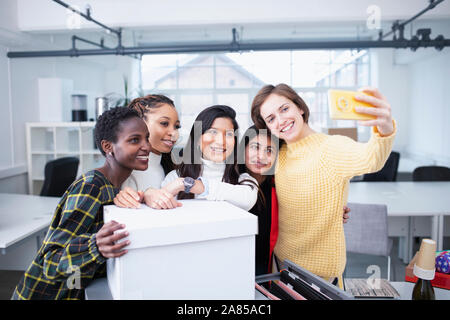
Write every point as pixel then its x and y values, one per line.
pixel 342 105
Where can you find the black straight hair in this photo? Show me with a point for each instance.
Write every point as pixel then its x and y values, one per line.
pixel 249 134
pixel 191 166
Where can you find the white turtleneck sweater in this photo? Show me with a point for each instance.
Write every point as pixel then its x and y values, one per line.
pixel 241 195
pixel 152 177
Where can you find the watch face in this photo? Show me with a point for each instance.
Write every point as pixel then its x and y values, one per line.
pixel 188 184
pixel 189 181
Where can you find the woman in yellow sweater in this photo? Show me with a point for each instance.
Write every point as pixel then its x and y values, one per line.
pixel 313 172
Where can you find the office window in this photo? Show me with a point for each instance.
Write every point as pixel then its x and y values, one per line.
pixel 196 81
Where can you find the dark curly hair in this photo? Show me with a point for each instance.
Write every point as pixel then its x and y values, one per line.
pixel 145 104
pixel 108 125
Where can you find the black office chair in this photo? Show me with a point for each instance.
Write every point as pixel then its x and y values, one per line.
pixel 431 173
pixel 59 175
pixel 388 172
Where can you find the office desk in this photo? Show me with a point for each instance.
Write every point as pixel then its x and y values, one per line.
pixel 99 290
pixel 408 199
pixel 23 216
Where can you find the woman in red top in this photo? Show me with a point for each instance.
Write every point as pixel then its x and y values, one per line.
pixel 257 155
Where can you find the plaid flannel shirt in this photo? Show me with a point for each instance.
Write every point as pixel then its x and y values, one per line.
pixel 69 258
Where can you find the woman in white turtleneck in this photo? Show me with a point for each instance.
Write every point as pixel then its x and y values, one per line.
pixel 161 117
pixel 209 169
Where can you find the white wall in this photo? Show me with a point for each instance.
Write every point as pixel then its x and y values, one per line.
pixel 94 76
pixel 9 15
pixel 6 157
pixel 417 86
pixel 393 82
pixel 427 113
pixel 89 77
pixel 429 110
pixel 12 175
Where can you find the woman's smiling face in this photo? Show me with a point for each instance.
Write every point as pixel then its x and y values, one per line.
pixel 282 117
pixel 163 125
pixel 132 147
pixel 260 154
pixel 217 143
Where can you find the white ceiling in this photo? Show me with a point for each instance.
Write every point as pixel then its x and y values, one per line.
pixel 155 21
pixel 41 15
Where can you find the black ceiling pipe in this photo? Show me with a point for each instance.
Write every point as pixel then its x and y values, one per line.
pixel 399 26
pixel 422 39
pixel 88 17
pixel 415 43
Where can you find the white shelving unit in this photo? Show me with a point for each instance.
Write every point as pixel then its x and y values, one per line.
pixel 47 141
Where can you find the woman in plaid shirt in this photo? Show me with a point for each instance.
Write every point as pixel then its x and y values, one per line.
pixel 78 243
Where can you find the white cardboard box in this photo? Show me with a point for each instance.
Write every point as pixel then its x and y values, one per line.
pixel 202 250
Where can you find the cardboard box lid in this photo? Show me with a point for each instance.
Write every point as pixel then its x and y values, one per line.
pixel 196 220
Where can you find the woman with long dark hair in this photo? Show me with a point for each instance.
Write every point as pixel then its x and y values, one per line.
pixel 209 168
pixel 258 153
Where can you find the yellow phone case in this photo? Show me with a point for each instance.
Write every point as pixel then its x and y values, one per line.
pixel 342 105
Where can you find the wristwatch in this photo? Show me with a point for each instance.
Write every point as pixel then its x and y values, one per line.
pixel 188 184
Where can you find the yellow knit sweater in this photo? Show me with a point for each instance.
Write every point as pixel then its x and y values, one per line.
pixel 311 179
